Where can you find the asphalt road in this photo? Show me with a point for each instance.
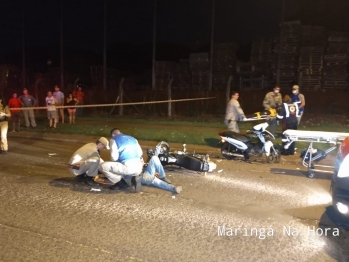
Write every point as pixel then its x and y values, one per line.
pixel 240 212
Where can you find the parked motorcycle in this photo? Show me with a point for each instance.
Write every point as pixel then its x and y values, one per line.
pixel 238 145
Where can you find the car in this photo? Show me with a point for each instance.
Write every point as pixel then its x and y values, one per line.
pixel 340 180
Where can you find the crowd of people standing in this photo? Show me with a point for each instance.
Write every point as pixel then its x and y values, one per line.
pixel 26 103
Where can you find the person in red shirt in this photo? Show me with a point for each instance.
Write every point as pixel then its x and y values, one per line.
pixel 15 102
pixel 79 95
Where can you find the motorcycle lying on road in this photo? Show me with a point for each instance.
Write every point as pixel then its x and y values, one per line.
pixel 237 145
pixel 194 162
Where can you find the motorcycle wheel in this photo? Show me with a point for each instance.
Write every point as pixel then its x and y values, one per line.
pixel 274 157
pixel 226 149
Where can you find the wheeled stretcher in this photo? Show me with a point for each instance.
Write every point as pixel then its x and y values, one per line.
pixel 332 138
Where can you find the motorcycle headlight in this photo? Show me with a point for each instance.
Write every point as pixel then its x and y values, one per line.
pixel 342 208
pixel 344 168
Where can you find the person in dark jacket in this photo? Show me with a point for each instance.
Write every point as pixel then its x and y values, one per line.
pixel 289 113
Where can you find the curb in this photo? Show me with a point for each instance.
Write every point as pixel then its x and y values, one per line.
pixel 145 144
pixel 199 149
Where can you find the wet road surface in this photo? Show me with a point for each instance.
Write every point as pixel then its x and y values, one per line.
pixel 240 212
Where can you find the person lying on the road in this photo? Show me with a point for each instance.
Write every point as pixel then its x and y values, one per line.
pixel 85 162
pixel 153 174
pixel 126 160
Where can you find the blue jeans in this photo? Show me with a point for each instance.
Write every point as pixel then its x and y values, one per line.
pixel 149 178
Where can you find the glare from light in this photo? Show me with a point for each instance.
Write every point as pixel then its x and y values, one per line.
pixel 342 208
pixel 344 168
pixel 254 186
pixel 319 198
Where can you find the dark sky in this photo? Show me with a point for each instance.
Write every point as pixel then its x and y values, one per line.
pixel 185 22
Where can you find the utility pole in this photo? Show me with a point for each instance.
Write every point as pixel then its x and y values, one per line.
pixel 61 48
pixel 280 43
pixel 105 47
pixel 154 48
pixel 211 54
pixel 23 45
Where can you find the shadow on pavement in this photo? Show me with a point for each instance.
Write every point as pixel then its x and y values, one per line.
pixel 299 173
pixel 71 183
pixel 337 246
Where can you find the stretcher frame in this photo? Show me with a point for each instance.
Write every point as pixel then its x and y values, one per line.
pixel 333 138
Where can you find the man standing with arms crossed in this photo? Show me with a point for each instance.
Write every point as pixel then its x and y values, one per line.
pixel 28 101
pixel 60 102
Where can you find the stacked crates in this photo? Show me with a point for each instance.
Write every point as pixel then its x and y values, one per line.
pixel 288 50
pixel 311 57
pixel 223 66
pixel 335 74
pixel 199 67
pixel 164 71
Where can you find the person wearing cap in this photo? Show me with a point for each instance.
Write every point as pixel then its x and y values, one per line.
pixel 4 115
pixel 85 162
pixel 273 100
pixel 28 101
pixel 126 161
pixel 60 102
pixel 298 98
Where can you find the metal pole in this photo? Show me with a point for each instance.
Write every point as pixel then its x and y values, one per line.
pixel 105 47
pixel 280 43
pixel 154 48
pixel 23 46
pixel 169 97
pixel 121 96
pixel 61 48
pixel 211 55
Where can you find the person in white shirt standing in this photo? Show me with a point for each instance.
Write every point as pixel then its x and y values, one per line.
pixel 51 103
pixel 60 102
